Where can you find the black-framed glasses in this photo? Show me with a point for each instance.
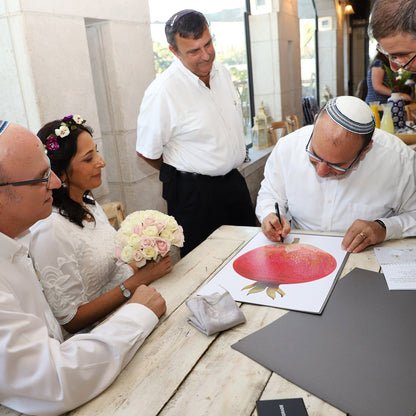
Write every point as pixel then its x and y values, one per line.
pixel 335 167
pixel 31 181
pixel 394 60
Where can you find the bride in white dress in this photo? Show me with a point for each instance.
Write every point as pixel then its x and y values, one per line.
pixel 73 249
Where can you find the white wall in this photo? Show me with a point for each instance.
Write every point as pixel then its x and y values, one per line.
pixel 92 58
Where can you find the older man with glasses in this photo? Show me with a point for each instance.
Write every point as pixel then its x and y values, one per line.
pixel 340 175
pixel 41 374
pixel 393 25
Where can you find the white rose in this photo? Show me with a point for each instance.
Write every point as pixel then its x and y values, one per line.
pixel 151 231
pixel 127 254
pixel 134 241
pixel 125 228
pixel 150 253
pixel 121 239
pixel 167 234
pixel 171 225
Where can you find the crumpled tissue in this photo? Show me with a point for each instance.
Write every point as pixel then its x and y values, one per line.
pixel 214 313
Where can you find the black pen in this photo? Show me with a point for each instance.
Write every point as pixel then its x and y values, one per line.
pixel 276 207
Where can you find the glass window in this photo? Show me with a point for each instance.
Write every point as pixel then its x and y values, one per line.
pixel 307 27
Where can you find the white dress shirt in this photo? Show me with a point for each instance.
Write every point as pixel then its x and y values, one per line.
pixel 41 375
pixel 380 186
pixel 75 265
pixel 196 128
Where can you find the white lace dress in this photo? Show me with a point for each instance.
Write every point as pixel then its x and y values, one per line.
pixel 75 265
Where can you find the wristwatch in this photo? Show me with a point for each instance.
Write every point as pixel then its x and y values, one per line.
pixel 381 223
pixel 126 293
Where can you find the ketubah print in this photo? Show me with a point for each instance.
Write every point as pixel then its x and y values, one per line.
pixel 279 263
pixel 298 274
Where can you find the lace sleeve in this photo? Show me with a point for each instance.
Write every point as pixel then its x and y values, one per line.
pixel 54 253
pixel 120 274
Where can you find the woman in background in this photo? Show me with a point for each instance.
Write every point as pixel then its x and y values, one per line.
pixel 73 250
pixel 377 79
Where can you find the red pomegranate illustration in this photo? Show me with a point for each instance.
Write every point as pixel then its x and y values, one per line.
pixel 276 264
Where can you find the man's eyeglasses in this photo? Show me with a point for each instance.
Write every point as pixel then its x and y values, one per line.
pixel 394 59
pixel 31 181
pixel 335 167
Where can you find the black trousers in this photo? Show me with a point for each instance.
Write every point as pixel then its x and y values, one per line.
pixel 201 203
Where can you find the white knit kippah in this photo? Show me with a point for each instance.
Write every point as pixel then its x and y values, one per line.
pixel 351 113
pixel 3 125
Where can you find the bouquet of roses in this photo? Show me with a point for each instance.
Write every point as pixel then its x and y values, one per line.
pixel 147 235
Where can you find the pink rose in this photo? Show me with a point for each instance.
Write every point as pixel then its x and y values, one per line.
pixel 163 246
pixel 137 229
pixel 160 225
pixel 149 221
pixel 138 255
pixel 178 237
pixel 139 258
pixel 147 242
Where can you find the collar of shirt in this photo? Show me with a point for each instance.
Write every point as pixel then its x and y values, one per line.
pixel 10 248
pixel 194 78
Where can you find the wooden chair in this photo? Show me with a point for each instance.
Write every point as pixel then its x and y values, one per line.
pixel 115 212
pixel 293 121
pixel 282 127
pixel 411 112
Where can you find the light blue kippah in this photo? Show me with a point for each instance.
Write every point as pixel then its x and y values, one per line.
pixel 3 125
pixel 352 114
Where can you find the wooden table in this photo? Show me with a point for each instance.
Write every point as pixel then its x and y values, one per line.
pixel 180 371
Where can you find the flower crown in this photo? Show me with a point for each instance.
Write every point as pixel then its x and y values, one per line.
pixel 68 123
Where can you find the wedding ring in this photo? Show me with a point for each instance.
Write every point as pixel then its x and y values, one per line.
pixel 363 235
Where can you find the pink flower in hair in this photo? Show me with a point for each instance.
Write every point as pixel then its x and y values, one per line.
pixel 52 143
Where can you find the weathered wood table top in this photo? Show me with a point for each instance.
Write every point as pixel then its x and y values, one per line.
pixel 180 371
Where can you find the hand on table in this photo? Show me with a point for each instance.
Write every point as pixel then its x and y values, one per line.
pixel 151 298
pixel 362 234
pixel 273 229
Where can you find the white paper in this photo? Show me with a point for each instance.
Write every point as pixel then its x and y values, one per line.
pixel 399 266
pixel 307 297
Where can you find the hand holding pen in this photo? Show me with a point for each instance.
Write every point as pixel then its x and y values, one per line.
pixel 276 207
pixel 274 226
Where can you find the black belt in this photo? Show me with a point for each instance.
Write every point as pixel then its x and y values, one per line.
pixel 200 175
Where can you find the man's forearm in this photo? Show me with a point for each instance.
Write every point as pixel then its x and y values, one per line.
pixel 155 163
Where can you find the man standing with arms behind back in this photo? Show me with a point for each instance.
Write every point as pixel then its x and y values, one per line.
pixel 190 128
pixel 393 25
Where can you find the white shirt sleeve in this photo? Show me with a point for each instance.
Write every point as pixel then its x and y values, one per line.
pixel 403 224
pixel 44 377
pixel 153 124
pixel 272 188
